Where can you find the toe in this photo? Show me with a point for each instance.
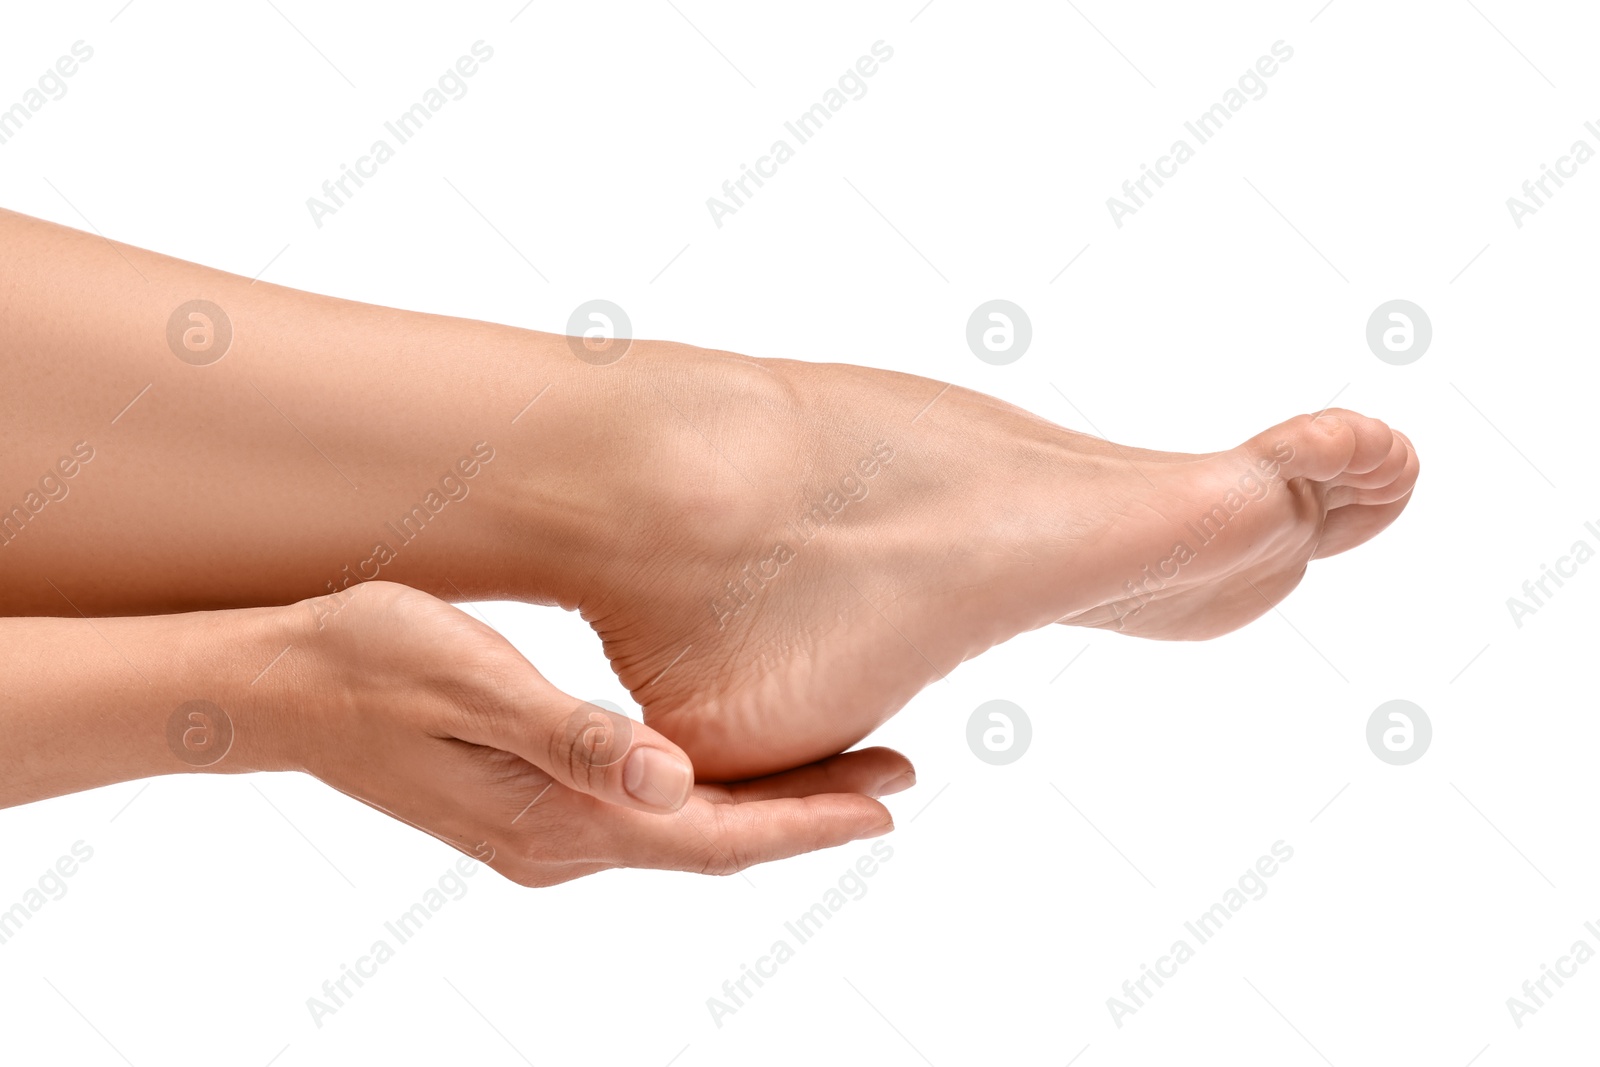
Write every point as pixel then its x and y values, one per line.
pixel 1361 460
pixel 1347 527
pixel 1307 446
pixel 1374 441
pixel 1385 472
pixel 1390 481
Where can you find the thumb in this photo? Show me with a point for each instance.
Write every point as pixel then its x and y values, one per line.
pixel 596 750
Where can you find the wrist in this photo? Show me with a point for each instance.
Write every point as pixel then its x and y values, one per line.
pixel 256 670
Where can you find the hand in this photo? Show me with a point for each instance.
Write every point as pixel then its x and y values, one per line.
pixel 422 712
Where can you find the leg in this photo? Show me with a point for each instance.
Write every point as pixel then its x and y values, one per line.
pixel 777 555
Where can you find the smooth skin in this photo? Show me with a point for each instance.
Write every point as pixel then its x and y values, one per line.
pixel 776 555
pixel 415 708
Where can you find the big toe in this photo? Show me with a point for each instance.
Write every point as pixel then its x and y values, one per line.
pixel 1366 470
pixel 1316 447
pixel 1359 460
pixel 1391 480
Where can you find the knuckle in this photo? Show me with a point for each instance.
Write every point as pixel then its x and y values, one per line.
pixel 718 854
pixel 715 862
pixel 589 742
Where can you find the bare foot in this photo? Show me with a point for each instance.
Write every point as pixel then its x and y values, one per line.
pixel 806 546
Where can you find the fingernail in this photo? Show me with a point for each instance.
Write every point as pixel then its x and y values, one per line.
pixel 657 779
pixel 878 832
pixel 898 784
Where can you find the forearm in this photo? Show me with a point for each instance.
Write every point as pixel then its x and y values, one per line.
pixel 272 473
pixel 92 703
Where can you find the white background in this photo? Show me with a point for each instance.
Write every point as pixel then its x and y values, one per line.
pixel 977 166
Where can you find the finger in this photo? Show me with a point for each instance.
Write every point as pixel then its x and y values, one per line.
pixel 712 838
pixel 583 746
pixel 873 772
